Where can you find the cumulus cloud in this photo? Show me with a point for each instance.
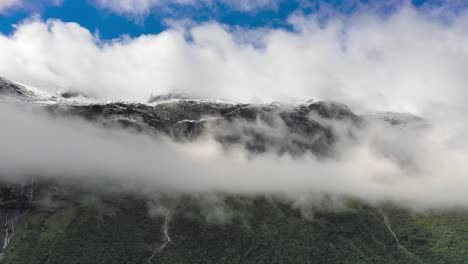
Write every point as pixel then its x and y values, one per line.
pixel 403 62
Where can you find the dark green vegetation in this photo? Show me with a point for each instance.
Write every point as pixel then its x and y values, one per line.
pixel 230 229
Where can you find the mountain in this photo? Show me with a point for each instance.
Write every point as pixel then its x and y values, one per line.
pixel 50 220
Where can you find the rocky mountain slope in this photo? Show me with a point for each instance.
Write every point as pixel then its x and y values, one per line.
pixel 53 221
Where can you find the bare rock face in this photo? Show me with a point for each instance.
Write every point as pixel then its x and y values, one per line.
pixel 169 97
pixel 9 88
pixel 280 128
pixel 293 129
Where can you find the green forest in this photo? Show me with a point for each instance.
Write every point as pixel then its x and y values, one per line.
pixel 122 229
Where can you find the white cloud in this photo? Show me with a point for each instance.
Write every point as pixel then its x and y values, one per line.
pixel 27 5
pixel 8 4
pixel 405 62
pixel 417 168
pixel 142 7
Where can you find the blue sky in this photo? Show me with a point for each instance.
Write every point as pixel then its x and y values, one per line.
pixel 110 21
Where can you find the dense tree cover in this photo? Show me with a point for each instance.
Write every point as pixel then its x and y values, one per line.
pixel 120 229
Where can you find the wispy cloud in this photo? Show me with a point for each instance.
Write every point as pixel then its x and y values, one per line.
pixel 9 4
pixel 27 5
pixel 415 167
pixel 143 7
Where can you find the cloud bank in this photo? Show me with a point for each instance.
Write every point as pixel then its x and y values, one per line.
pixel 415 167
pixel 406 62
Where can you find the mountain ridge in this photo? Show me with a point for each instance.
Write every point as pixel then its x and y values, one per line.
pixel 60 221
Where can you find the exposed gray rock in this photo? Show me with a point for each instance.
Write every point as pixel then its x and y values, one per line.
pixel 9 88
pixel 169 97
pixel 274 127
